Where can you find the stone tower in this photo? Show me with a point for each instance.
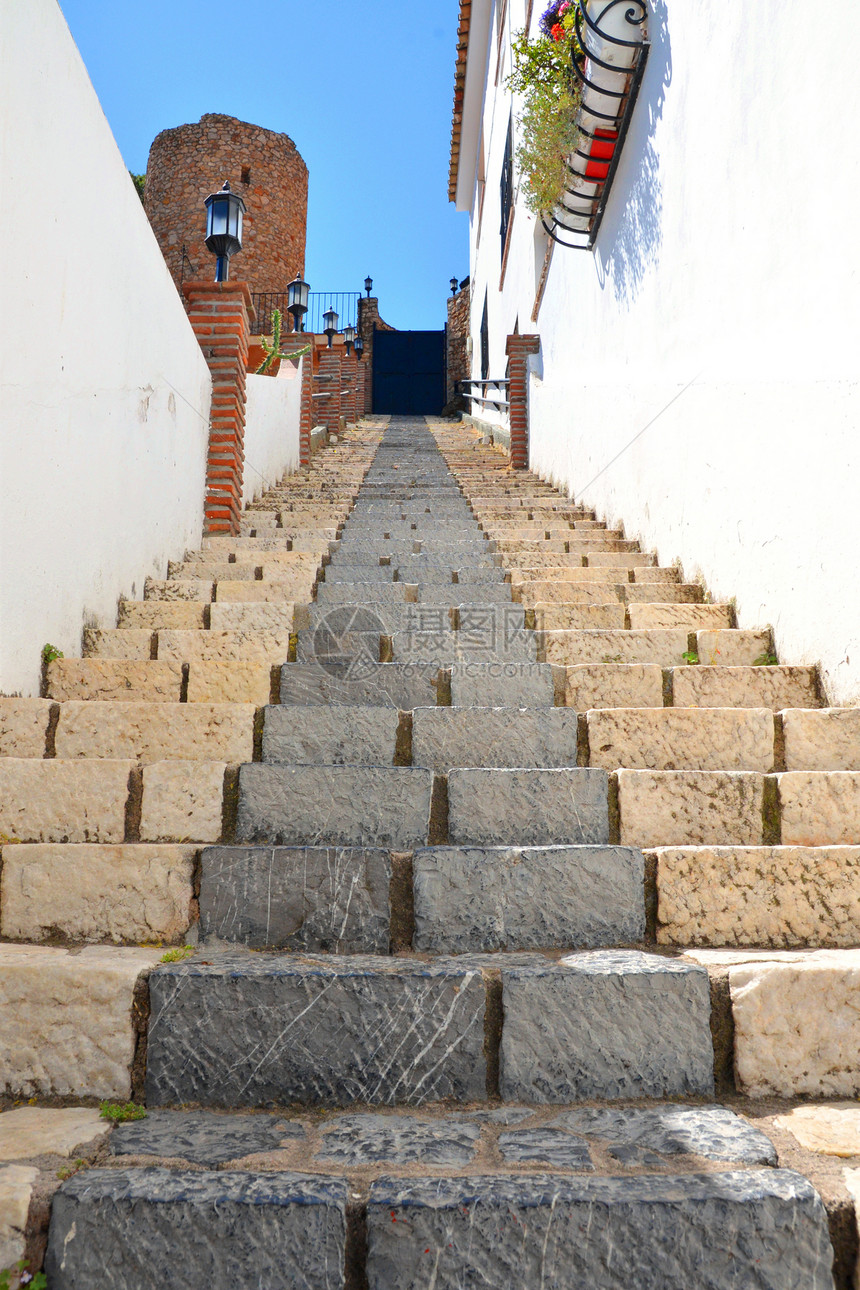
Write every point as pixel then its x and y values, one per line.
pixel 263 167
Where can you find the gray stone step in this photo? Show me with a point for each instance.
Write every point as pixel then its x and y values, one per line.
pixel 332 736
pixel 491 685
pixel 528 807
pixel 349 806
pixel 134 1229
pixel 470 899
pixel 446 737
pixel 606 1024
pixel 337 593
pixel 340 571
pixel 397 685
pixel 251 1030
pixel 757 1230
pixel 332 899
pixel 482 637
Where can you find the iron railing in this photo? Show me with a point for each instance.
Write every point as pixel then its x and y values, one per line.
pixel 495 402
pixel 345 303
pixel 608 60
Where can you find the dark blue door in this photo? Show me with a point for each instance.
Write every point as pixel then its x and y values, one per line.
pixel 409 372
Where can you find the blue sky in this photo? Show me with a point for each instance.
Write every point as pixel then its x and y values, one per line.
pixel 365 90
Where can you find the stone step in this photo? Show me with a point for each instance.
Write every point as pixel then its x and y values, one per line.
pixel 448 737
pixel 580 617
pixel 131 1228
pixel 611 685
pixel 554 596
pixel 398 685
pixel 469 899
pixel 691 617
pixel 663 646
pixel 63 801
pixel 265 616
pixel 272 647
pixel 481 638
pixel 340 593
pixel 795 1020
pixel 318 899
pixel 313 1030
pixel 691 808
pixel 351 806
pixel 24 726
pixel 709 739
pixel 69 1020
pixel 156 731
pixel 819 808
pixel 440 594
pixel 176 589
pixel 259 591
pixel 122 894
pixel 497 685
pixel 763 1228
pixel 825 740
pixel 733 648
pixel 745 687
pixel 209 571
pixel 226 680
pixel 780 897
pixel 526 807
pixel 332 736
pixel 155 614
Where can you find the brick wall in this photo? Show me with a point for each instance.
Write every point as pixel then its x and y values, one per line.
pixel 189 162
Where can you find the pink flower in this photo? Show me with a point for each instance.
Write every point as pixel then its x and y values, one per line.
pixel 564 8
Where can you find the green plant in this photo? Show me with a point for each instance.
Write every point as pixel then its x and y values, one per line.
pixel 69 1170
pixel 50 654
pixel 272 348
pixel 119 1112
pixel 543 76
pixel 20 1275
pixel 767 659
pixel 690 656
pixel 139 182
pixel 176 956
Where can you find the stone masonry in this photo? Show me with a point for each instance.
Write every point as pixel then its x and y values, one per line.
pixel 468 900
pixel 189 162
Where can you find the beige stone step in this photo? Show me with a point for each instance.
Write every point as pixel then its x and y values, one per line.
pixel 271 647
pixel 691 617
pixel 155 614
pixel 611 685
pixel 262 616
pixel 183 801
pixel 286 591
pixel 657 573
pixel 125 894
pixel 707 739
pixel 828 739
pixel 779 897
pixel 621 560
pixel 178 589
pixel 156 731
pixel 67 1020
pixel 572 617
pixel 690 808
pixel 24 727
pixel 298 584
pixel 63 801
pixel 305 560
pixel 119 643
pixel 732 648
pixel 226 681
pixel 564 573
pixel 795 1020
pixel 820 808
pixel 209 571
pixel 557 595
pixel 745 687
pixel 663 646
pixel 114 680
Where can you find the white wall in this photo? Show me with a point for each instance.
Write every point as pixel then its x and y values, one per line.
pixel 272 423
pixel 105 392
pixel 700 373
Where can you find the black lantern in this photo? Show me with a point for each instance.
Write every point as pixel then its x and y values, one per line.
pixel 297 297
pixel 224 211
pixel 349 338
pixel 331 321
pixel 454 285
pixel 368 286
pixel 359 346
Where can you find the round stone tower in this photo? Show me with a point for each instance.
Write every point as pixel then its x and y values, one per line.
pixel 189 162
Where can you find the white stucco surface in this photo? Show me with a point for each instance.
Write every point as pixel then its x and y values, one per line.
pixel 105 392
pixel 272 423
pixel 699 379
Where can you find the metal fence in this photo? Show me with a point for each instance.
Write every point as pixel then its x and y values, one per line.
pixel 345 303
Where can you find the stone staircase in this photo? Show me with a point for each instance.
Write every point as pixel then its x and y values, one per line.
pixel 523 858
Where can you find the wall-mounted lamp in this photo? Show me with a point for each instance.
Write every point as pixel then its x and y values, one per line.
pixel 297 301
pixel 454 286
pixel 359 346
pixel 331 321
pixel 349 338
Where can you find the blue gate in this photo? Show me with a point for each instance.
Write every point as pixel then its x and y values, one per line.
pixel 409 372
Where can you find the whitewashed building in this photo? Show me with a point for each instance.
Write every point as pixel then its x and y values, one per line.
pixel 699 368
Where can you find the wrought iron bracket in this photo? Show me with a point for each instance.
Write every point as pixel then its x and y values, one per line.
pixel 608 60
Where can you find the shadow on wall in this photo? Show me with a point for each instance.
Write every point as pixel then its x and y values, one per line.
pixel 632 232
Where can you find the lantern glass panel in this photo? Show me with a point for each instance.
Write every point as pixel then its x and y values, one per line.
pixel 349 335
pixel 218 218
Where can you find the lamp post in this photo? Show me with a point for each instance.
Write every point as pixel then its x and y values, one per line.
pixel 454 285
pixel 297 301
pixel 359 346
pixel 349 338
pixel 368 286
pixel 331 321
pixel 224 212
